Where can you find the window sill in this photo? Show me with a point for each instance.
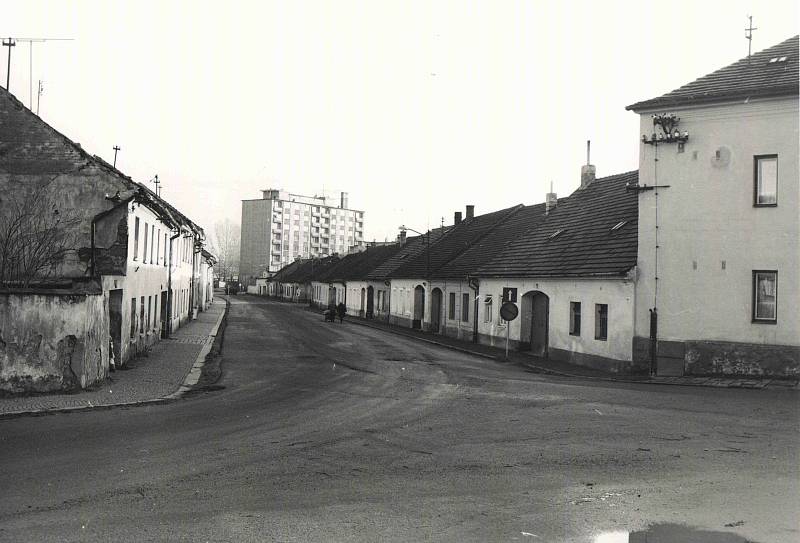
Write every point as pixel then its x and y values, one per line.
pixel 764 321
pixel 765 205
pixel 576 334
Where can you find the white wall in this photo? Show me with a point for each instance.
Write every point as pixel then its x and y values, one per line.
pixel 617 293
pixel 707 217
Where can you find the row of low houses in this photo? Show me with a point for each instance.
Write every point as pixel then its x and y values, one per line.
pixel 94 267
pixel 689 265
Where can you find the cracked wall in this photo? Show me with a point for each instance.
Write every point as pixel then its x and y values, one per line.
pixel 52 341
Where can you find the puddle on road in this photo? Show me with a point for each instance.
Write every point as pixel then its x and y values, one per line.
pixel 670 533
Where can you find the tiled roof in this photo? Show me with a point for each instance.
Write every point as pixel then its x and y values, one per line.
pixel 764 74
pixel 283 275
pixel 358 265
pixel 491 245
pixel 31 147
pixel 313 269
pixel 460 238
pixel 577 238
pixel 413 247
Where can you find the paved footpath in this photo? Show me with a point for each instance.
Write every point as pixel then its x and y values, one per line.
pixel 156 377
pixel 566 369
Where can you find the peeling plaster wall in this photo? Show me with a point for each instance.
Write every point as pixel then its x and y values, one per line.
pixel 51 342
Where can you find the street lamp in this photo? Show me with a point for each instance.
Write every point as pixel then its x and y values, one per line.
pixel 427 235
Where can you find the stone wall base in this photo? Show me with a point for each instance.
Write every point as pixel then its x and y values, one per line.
pixel 702 358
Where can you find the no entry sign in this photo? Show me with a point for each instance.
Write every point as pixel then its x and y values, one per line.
pixel 509 311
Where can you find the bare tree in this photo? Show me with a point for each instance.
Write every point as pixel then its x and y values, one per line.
pixel 35 236
pixel 225 245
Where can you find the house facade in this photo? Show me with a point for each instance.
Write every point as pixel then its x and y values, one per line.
pixel 122 268
pixel 719 225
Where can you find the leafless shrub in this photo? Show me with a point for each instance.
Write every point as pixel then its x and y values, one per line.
pixel 35 236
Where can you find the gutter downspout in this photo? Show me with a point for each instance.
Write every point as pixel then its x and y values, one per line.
pixel 475 284
pixel 170 297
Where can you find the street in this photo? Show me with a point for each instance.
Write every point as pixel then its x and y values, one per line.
pixel 340 432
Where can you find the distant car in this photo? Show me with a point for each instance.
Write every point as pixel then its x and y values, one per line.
pixel 232 288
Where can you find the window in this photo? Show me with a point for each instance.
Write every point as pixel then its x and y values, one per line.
pixel 133 317
pixel 165 249
pixel 152 241
pixel 141 316
pixel 149 312
pixel 158 246
pixel 574 318
pixel 601 321
pixel 488 308
pixel 766 180
pixel 465 307
pixel 765 296
pixel 136 240
pixel 451 312
pixel 144 256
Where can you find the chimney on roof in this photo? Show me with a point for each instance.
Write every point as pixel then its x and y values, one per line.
pixel 550 200
pixel 470 212
pixel 402 237
pixel 343 203
pixel 588 170
pixel 457 217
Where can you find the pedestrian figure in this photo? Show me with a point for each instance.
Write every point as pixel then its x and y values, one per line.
pixel 341 309
pixel 330 313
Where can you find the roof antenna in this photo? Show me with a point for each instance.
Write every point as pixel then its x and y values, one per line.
pixel 748 34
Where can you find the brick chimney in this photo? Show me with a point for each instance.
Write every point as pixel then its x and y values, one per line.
pixel 550 200
pixel 588 170
pixel 470 212
pixel 343 202
pixel 457 217
pixel 402 237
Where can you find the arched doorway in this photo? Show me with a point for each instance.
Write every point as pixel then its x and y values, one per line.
pixel 419 307
pixel 534 322
pixel 436 310
pixel 370 302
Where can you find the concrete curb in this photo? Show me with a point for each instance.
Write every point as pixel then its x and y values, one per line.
pixel 191 378
pixel 557 373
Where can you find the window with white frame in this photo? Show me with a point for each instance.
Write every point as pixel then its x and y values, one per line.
pixel 451 309
pixel 601 322
pixel 765 296
pixel 765 180
pixel 488 308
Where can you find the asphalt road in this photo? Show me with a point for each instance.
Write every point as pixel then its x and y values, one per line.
pixel 339 432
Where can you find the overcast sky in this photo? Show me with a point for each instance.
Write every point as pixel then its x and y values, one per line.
pixel 415 108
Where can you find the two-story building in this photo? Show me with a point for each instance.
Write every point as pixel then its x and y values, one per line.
pixel 719 223
pixel 115 265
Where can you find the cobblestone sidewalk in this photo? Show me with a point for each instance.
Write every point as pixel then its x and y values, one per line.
pixel 148 378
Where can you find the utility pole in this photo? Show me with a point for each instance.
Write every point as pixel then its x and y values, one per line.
pixel 118 148
pixel 10 43
pixel 748 34
pixel 156 182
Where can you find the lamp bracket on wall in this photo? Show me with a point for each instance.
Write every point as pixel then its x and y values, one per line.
pixel 669 133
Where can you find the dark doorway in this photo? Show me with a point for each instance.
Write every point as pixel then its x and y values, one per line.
pixel 535 317
pixel 363 307
pixel 115 326
pixel 164 314
pixel 436 310
pixel 419 307
pixel 370 302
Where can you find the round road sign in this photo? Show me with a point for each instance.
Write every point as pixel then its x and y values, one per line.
pixel 509 311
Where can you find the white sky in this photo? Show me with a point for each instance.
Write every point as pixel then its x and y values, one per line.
pixel 415 108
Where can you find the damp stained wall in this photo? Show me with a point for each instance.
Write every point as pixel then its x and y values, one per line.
pixel 52 342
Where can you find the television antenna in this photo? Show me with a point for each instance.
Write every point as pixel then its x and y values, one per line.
pixel 11 42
